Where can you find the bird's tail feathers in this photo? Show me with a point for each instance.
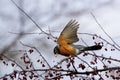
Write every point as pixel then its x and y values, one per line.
pixel 94 47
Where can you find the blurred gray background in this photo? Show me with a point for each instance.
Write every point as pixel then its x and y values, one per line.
pixel 52 16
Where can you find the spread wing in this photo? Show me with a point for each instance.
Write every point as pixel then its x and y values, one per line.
pixel 69 33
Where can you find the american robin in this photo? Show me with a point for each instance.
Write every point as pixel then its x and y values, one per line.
pixel 66 39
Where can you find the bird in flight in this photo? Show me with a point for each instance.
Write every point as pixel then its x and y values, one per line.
pixel 66 39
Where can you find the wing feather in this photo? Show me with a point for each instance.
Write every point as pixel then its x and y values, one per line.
pixel 69 33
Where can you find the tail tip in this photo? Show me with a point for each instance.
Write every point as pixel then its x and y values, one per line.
pixel 98 46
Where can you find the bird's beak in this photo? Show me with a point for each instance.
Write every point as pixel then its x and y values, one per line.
pixel 55 54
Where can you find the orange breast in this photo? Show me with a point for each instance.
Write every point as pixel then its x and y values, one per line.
pixel 67 50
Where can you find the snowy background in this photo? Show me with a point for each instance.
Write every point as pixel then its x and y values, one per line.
pixel 53 15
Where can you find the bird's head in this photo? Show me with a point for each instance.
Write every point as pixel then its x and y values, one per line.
pixel 56 51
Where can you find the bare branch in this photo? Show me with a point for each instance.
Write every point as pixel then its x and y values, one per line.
pixel 37 51
pixel 49 35
pixel 104 30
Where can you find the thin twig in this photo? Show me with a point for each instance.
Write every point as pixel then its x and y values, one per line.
pixel 68 71
pixel 37 51
pixel 102 39
pixel 73 65
pixel 104 30
pixel 14 62
pixel 32 20
pixel 103 56
pixel 25 33
pixel 92 51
